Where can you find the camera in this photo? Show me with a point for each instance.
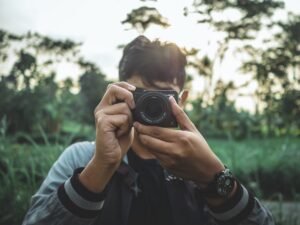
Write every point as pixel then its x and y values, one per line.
pixel 154 108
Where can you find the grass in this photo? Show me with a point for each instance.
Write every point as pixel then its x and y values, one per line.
pixel 22 169
pixel 268 166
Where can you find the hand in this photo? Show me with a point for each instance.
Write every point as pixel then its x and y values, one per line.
pixel 113 119
pixel 114 135
pixel 184 152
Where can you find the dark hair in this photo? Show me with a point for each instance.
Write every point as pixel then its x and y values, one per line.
pixel 153 61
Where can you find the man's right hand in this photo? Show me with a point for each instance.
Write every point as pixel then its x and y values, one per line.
pixel 113 118
pixel 114 135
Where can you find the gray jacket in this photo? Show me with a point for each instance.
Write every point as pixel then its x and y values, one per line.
pixel 61 199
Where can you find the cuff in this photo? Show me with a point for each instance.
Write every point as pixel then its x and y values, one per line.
pixel 236 209
pixel 79 200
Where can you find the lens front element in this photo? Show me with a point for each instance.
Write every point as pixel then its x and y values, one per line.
pixel 152 108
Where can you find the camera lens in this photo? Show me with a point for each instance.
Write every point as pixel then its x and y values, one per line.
pixel 154 107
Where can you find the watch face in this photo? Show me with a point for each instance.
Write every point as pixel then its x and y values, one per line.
pixel 225 183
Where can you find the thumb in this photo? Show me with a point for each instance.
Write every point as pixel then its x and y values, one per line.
pixel 182 119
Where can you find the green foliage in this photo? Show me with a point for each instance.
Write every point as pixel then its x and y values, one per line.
pixel 221 119
pixel 93 86
pixel 20 178
pixel 276 69
pixel 247 19
pixel 274 65
pixel 31 98
pixel 23 167
pixel 141 18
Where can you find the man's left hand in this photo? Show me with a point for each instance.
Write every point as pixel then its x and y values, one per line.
pixel 184 152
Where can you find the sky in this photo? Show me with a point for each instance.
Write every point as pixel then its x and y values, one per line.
pixel 97 25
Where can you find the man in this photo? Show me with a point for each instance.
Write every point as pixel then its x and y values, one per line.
pixel 139 174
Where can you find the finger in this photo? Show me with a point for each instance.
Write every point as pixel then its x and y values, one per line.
pixel 116 109
pixel 182 119
pixel 114 123
pixel 163 133
pixel 156 146
pixel 119 108
pixel 122 123
pixel 116 93
pixel 123 84
pixel 161 157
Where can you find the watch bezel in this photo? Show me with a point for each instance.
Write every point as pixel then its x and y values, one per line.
pixel 221 186
pixel 224 182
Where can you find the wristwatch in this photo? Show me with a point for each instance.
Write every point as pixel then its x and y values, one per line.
pixel 221 186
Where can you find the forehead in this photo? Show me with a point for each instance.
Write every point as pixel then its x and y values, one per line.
pixel 159 85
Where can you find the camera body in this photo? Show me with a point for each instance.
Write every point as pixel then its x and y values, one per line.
pixel 154 108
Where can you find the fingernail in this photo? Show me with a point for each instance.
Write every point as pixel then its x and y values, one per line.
pixel 131 87
pixel 135 124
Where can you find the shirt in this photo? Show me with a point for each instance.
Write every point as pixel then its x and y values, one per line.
pixel 150 205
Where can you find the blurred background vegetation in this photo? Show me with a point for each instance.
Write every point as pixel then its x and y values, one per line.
pixel 40 116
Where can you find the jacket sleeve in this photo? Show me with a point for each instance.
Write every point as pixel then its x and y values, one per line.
pixel 62 199
pixel 241 209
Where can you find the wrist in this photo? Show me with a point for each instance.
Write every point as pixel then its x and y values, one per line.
pixel 100 163
pixel 210 175
pixel 95 175
pixel 217 201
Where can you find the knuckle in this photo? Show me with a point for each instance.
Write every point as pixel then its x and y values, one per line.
pixel 100 119
pixel 125 107
pixel 109 86
pixel 184 139
pixel 125 118
pixel 177 154
pixel 129 95
pixel 123 83
pixel 98 112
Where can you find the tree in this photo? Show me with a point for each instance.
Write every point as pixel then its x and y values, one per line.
pixel 141 18
pixel 92 87
pixel 239 24
pixel 277 71
pixel 31 98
